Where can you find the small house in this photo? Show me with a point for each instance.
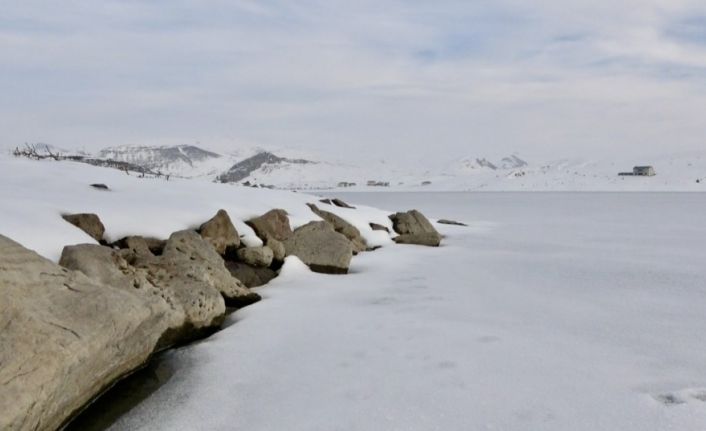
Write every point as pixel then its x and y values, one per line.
pixel 644 171
pixel 640 171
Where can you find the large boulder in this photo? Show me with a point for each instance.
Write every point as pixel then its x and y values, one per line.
pixel 220 232
pixel 256 256
pixel 321 248
pixel 89 223
pixel 64 338
pixel 272 224
pixel 191 307
pixel 414 228
pixel 251 276
pixel 199 261
pixel 343 227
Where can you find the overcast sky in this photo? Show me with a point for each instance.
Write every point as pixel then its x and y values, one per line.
pixel 412 79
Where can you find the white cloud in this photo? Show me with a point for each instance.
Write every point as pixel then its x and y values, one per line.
pixel 377 78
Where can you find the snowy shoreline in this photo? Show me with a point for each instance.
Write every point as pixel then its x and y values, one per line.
pixel 175 287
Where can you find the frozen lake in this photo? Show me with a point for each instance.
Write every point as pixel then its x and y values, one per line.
pixel 552 311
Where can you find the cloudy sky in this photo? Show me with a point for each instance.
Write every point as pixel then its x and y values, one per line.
pixel 363 78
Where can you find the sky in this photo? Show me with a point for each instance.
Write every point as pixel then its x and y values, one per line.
pixel 358 79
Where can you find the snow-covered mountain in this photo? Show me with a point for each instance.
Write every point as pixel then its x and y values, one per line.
pixel 180 160
pixel 285 169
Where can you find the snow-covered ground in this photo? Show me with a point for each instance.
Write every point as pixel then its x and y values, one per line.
pixel 550 312
pixel 34 194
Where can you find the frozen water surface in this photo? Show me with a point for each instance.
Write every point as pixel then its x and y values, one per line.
pixel 552 311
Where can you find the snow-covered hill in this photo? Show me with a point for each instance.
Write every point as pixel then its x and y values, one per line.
pixel 285 169
pixel 181 160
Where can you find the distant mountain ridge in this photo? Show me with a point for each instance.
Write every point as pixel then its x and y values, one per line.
pixel 166 159
pixel 243 169
pixel 272 168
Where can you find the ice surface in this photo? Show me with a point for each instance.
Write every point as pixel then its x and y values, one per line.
pixel 550 312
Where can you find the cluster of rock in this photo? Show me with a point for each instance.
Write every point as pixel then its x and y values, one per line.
pixel 69 331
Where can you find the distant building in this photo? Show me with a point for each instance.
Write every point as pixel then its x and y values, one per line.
pixel 346 184
pixel 644 171
pixel 374 183
pixel 640 171
pixel 426 183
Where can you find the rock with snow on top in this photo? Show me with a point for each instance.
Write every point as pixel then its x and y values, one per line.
pixel 414 228
pixel 321 248
pixel 343 227
pixel 220 232
pixel 87 222
pixel 272 224
pixel 200 261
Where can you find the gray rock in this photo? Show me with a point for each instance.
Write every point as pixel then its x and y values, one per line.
pixel 64 338
pixel 220 232
pixel 429 239
pixel 340 203
pixel 100 186
pixel 375 226
pixel 89 223
pixel 272 224
pixel 278 251
pixel 200 261
pixel 251 276
pixel 256 256
pixel 414 228
pixel 191 307
pixel 321 248
pixel 451 222
pixel 343 227
pixel 138 245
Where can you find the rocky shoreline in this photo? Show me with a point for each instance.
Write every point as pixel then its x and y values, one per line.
pixel 71 331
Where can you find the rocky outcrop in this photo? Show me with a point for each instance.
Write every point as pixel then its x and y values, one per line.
pixel 64 338
pixel 321 248
pixel 256 256
pixel 272 224
pixel 251 276
pixel 220 232
pixel 189 278
pixel 343 227
pixel 89 223
pixel 198 260
pixel 414 228
pixel 191 308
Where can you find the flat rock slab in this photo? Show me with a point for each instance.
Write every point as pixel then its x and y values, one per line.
pixel 451 222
